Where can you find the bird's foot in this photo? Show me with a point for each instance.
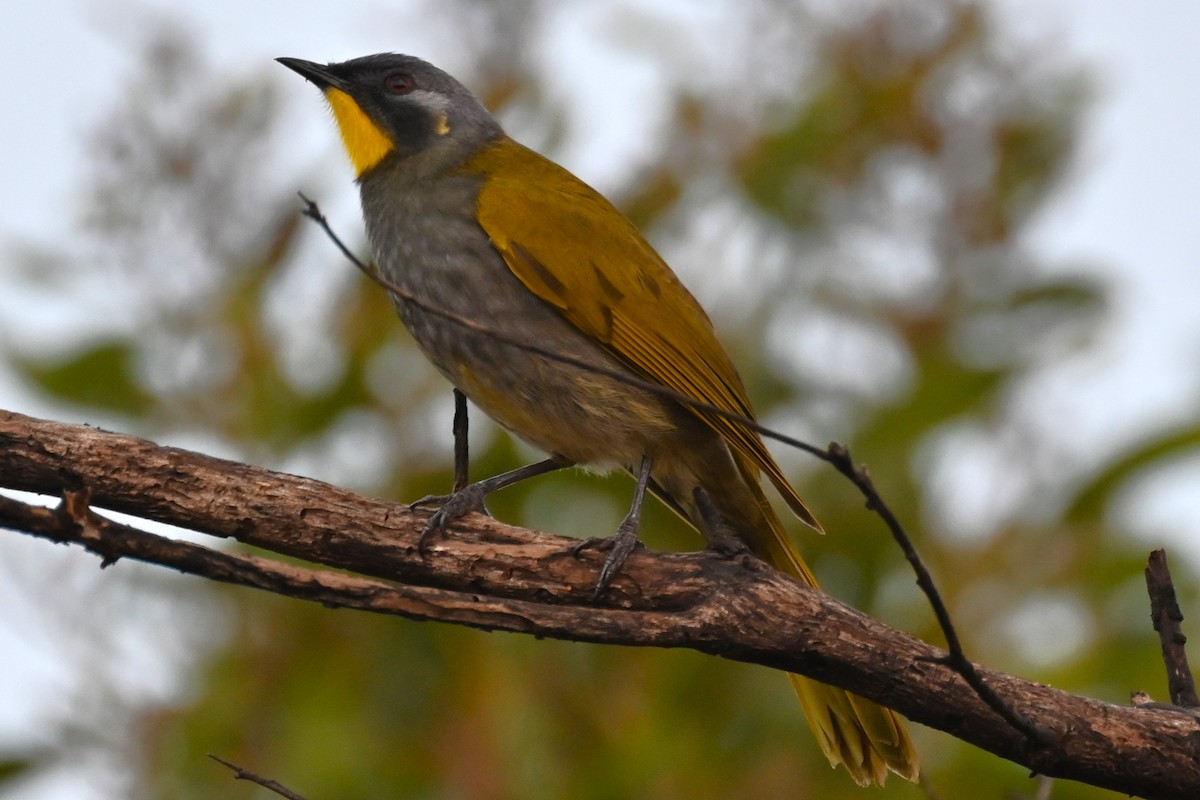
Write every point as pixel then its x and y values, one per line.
pixel 618 546
pixel 468 499
pixel 450 508
pixel 722 538
pixel 724 542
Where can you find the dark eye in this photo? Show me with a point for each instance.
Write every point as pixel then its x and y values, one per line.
pixel 399 83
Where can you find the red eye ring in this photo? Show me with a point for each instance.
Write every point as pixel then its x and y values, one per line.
pixel 399 83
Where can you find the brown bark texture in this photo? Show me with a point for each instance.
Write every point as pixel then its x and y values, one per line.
pixel 362 553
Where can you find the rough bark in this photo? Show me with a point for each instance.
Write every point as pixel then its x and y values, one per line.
pixel 496 577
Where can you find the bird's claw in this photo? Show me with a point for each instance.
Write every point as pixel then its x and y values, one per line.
pixel 450 509
pixel 722 538
pixel 722 541
pixel 619 546
pixel 431 501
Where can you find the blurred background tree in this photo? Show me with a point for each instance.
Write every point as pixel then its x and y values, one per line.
pixel 846 192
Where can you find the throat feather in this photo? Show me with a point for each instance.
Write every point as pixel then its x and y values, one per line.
pixel 366 144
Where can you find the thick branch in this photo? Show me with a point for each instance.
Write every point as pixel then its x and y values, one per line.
pixel 492 576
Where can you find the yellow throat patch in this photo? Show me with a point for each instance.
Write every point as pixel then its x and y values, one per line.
pixel 365 142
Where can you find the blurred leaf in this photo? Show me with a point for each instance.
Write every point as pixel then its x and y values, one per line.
pixel 1034 151
pixel 1092 498
pixel 1075 295
pixel 15 768
pixel 100 376
pixel 869 98
pixel 656 192
pixel 944 389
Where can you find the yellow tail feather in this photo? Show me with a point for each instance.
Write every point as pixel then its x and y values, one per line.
pixel 868 739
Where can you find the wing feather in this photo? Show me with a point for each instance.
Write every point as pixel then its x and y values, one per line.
pixel 619 292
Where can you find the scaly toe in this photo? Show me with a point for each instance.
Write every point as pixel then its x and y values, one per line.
pixel 431 501
pixel 451 508
pixel 619 546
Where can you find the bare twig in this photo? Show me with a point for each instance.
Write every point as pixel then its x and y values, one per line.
pixel 243 774
pixel 1165 612
pixel 839 457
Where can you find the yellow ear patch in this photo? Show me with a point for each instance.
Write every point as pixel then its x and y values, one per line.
pixel 365 142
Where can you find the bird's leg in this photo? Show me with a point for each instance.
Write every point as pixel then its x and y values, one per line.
pixel 722 538
pixel 470 497
pixel 461 453
pixel 623 542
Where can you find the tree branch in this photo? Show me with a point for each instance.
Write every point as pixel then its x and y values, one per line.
pixel 1166 615
pixel 496 577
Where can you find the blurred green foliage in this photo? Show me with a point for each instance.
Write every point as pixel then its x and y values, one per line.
pixel 928 137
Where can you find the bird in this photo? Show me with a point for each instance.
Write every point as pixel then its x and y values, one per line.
pixel 466 223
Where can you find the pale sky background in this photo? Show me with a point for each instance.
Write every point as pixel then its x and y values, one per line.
pixel 1129 210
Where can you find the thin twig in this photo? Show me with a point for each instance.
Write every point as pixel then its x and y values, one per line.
pixel 242 774
pixel 836 455
pixel 1165 613
pixel 956 657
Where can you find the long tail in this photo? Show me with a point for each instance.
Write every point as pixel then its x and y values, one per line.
pixel 868 739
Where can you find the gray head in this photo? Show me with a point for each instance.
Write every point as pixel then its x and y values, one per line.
pixel 392 106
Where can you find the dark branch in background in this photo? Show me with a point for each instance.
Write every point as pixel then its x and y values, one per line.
pixel 1164 611
pixel 836 455
pixel 496 577
pixel 242 774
